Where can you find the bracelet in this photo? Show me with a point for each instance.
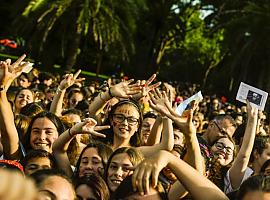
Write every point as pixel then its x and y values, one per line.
pixel 101 97
pixel 58 90
pixel 110 93
pixel 69 133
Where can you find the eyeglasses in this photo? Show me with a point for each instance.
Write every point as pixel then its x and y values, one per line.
pixel 221 146
pixel 119 118
pixel 219 128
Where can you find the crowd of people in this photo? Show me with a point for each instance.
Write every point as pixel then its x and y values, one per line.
pixel 66 138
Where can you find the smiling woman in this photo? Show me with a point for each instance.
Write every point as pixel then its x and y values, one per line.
pixel 43 130
pixel 118 167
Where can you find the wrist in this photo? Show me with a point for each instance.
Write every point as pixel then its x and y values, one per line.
pixel 110 92
pixel 71 132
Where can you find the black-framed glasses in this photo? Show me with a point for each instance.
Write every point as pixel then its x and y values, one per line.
pixel 220 128
pixel 119 118
pixel 220 146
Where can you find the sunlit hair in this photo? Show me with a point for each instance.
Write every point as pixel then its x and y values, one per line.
pixel 103 150
pixel 135 157
pixel 97 185
pixel 21 123
pixel 31 109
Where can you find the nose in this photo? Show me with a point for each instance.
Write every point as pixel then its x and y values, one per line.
pixel 118 172
pixel 89 165
pixel 42 135
pixel 125 122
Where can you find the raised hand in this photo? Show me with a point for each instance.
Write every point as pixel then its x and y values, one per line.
pixel 252 111
pixel 158 101
pixel 125 89
pixel 9 72
pixel 146 87
pixel 69 80
pixel 149 167
pixel 88 126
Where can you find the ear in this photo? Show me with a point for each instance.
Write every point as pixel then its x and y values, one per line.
pixel 255 154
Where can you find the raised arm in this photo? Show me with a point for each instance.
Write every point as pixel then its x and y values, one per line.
pixel 60 146
pixel 10 139
pixel 122 90
pixel 240 164
pixel 155 133
pixel 69 80
pixel 198 186
pixel 167 141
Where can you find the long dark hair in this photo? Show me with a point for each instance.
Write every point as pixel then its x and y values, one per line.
pixel 103 150
pixel 45 114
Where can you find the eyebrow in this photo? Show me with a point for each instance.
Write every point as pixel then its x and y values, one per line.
pixel 36 128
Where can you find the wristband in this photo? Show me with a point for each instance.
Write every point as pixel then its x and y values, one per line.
pixel 70 132
pixel 110 93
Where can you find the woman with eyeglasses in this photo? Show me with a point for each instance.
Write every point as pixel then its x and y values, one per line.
pixel 125 117
pixel 228 173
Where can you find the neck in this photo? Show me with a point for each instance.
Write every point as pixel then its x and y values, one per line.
pixel 120 142
pixel 256 168
pixel 206 137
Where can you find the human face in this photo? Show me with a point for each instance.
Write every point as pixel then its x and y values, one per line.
pixel 43 134
pixel 218 129
pixel 118 171
pixel 124 130
pixel 75 99
pixel 90 163
pixel 223 151
pixel 84 192
pixel 239 120
pixel 147 125
pixel 24 97
pixel 178 137
pixel 256 195
pixel 261 158
pixel 56 187
pixel 36 164
pixel 24 82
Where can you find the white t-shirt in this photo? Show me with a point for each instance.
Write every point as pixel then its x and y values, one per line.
pixel 227 182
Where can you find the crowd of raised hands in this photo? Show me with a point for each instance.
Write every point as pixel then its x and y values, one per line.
pixel 71 139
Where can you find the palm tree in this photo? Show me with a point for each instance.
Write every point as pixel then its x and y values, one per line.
pixel 60 26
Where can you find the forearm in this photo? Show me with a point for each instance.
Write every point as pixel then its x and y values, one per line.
pixel 62 142
pixel 60 147
pixel 98 102
pixel 57 103
pixel 167 140
pixel 237 171
pixel 155 134
pixel 198 186
pixel 10 139
pixel 193 155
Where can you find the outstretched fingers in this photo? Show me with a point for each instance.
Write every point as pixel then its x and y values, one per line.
pixel 76 74
pixel 18 61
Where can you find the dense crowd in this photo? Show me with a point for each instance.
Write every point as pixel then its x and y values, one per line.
pixel 68 138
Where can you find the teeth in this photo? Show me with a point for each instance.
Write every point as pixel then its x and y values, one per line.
pixel 116 181
pixel 41 145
